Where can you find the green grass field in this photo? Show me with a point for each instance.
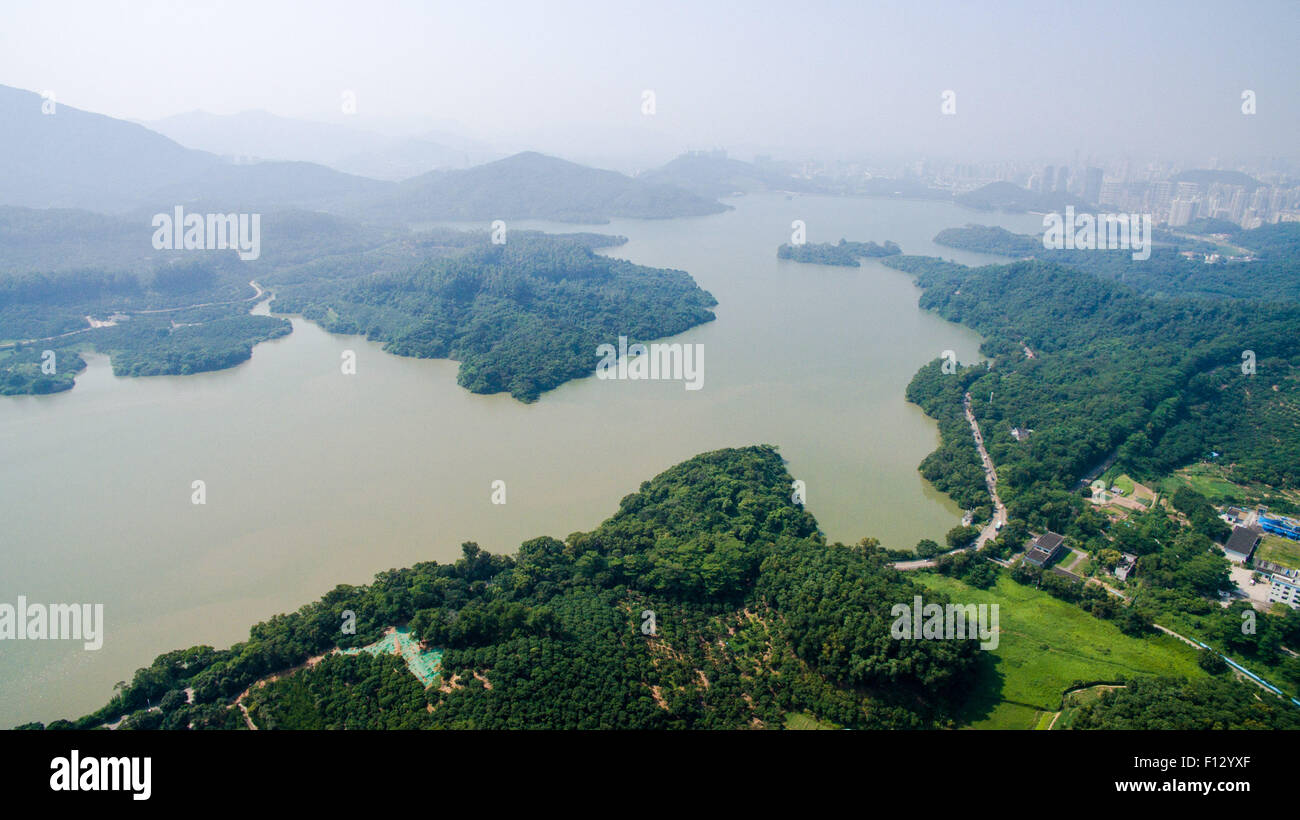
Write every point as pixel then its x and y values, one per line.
pixel 1213 482
pixel 800 721
pixel 1207 480
pixel 1279 550
pixel 1008 715
pixel 1045 646
pixel 1075 561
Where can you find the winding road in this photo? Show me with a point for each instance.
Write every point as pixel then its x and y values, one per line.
pixel 93 326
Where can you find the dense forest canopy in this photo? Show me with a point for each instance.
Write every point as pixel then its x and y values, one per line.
pixel 1177 267
pixel 522 317
pixel 1174 703
pixel 1098 369
pixel 843 253
pixel 755 617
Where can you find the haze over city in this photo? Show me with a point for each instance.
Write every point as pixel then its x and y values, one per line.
pixel 798 81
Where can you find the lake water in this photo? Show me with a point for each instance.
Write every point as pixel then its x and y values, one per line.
pixel 316 478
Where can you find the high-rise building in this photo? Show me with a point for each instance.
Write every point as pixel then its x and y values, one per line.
pixel 1181 211
pixel 1062 179
pixel 1160 197
pixel 1048 181
pixel 1276 200
pixel 1237 208
pixel 1092 185
pixel 1259 203
pixel 1110 193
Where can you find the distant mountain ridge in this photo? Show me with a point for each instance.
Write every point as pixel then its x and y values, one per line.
pixel 1207 177
pixel 713 174
pixel 1005 196
pixel 264 136
pixel 76 159
pixel 530 185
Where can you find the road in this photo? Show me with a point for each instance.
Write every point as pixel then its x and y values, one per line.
pixel 990 530
pixel 254 298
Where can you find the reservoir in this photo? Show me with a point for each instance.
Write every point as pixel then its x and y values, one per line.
pixel 315 478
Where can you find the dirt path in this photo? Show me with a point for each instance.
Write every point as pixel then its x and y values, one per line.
pixel 1109 589
pixel 239 701
pixel 252 298
pixel 94 325
pixel 1185 640
pixel 1079 557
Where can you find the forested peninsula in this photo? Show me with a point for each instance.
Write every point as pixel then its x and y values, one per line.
pixel 523 315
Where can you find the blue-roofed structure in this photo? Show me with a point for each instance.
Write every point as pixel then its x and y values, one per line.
pixel 1280 526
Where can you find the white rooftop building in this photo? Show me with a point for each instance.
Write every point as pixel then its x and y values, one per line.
pixel 1285 588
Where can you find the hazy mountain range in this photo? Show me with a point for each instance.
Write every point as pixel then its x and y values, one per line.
pixel 534 186
pixel 259 135
pixel 712 174
pixel 76 159
pixel 1006 196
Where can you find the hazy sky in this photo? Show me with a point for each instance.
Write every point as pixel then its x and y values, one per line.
pixel 1032 79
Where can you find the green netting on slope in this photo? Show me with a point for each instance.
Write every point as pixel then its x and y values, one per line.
pixel 425 665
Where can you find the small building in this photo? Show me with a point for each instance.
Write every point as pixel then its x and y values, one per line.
pixel 1045 548
pixel 1125 567
pixel 1284 527
pixel 1284 587
pixel 1241 544
pixel 1020 433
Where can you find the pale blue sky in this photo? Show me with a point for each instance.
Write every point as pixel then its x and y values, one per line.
pixel 1032 79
